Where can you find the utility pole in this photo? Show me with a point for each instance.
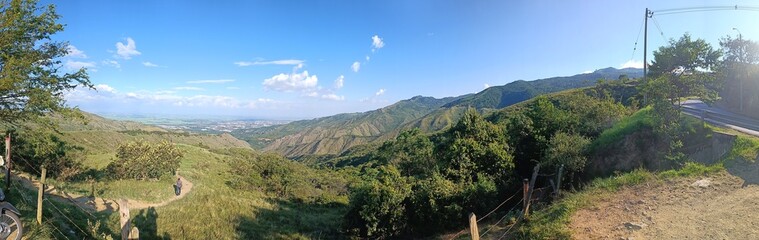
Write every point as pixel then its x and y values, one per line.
pixel 645 52
pixel 649 13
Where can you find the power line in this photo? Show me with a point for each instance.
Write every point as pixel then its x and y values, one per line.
pixel 705 9
pixel 635 47
pixel 659 27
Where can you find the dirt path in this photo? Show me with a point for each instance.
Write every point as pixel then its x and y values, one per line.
pixel 719 206
pixel 186 188
pixel 101 204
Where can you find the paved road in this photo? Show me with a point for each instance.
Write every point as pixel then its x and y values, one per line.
pixel 721 117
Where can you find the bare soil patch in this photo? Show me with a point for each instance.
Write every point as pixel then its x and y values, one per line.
pixel 724 205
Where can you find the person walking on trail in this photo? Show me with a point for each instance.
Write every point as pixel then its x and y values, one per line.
pixel 178 187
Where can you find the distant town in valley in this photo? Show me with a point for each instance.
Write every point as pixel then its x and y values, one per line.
pixel 199 124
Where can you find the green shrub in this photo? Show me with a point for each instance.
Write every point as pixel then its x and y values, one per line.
pixel 143 160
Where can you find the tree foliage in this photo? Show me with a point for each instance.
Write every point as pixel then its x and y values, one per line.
pixel 426 184
pixel 37 148
pixel 143 160
pixel 411 151
pixel 474 146
pixel 684 68
pixel 31 80
pixel 568 150
pixel 377 207
pixel 740 66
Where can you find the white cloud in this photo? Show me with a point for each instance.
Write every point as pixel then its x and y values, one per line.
pixel 324 95
pixel 339 82
pixel 586 72
pixel 128 50
pixel 486 86
pixel 356 66
pixel 73 52
pixel 76 65
pixel 367 58
pixel 150 64
pixel 112 63
pixel 233 88
pixel 377 43
pixel 333 96
pixel 105 88
pixel 189 88
pixel 295 62
pixel 380 92
pixel 632 64
pixel 211 81
pixel 290 82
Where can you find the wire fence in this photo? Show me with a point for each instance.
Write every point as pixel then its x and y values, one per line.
pixel 26 199
pixel 492 226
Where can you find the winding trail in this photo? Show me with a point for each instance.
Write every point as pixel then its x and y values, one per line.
pixel 97 204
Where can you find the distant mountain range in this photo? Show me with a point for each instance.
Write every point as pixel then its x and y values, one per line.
pixel 335 134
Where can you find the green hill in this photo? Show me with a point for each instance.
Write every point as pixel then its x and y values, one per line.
pixel 335 134
pixel 101 135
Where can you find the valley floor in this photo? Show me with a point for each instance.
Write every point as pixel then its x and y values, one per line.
pixel 723 205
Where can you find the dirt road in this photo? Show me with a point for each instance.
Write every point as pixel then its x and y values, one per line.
pixel 719 206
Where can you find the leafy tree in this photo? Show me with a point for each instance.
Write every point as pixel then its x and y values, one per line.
pixel 144 160
pixel 411 151
pixel 740 65
pixel 568 150
pixel 681 69
pixel 36 148
pixel 690 56
pixel 436 205
pixel 377 207
pixel 474 146
pixel 31 83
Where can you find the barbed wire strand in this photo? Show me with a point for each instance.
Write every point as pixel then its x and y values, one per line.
pixel 50 223
pixel 64 216
pixel 486 215
pixel 511 227
pixel 499 205
pixel 499 220
pixel 73 202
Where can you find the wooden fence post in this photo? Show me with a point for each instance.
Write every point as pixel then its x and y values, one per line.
pixel 124 220
pixel 39 196
pixel 531 188
pixel 8 163
pixel 525 191
pixel 473 231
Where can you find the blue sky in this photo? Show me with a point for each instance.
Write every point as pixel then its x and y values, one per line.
pixel 305 59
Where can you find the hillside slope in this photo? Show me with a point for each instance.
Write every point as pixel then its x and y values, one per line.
pixel 100 135
pixel 335 134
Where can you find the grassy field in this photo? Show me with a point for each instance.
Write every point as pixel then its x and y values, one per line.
pixel 213 210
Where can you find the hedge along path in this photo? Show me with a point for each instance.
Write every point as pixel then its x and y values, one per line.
pixel 97 204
